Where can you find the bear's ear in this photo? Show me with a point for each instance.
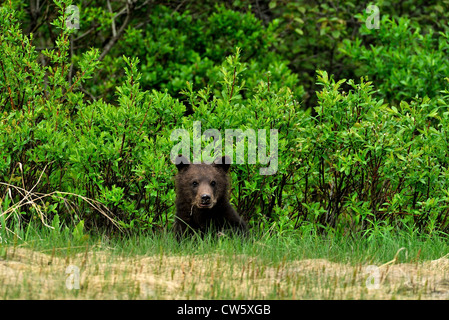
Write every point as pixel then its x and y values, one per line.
pixel 181 162
pixel 224 163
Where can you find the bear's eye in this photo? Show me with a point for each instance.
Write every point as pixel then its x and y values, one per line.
pixel 195 184
pixel 213 183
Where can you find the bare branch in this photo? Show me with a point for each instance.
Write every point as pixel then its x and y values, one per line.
pixel 114 39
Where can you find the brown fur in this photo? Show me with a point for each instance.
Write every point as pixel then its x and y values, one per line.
pixel 202 198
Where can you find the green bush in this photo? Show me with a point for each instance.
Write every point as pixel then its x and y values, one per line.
pixel 175 48
pixel 367 162
pixel 402 60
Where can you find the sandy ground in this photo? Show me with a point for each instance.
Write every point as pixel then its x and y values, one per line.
pixel 27 274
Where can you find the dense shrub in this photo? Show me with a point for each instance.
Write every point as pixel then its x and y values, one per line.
pixel 403 61
pixel 312 33
pixel 368 162
pixel 175 48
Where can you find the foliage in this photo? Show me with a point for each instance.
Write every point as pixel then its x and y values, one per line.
pixel 175 48
pixel 367 162
pixel 403 60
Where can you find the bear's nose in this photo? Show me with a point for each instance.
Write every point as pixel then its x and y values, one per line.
pixel 205 199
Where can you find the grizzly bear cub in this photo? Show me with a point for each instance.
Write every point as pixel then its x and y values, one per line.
pixel 202 198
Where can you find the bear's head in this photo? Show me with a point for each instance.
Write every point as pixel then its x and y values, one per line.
pixel 202 185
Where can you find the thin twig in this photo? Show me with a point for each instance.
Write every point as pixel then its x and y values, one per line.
pixel 114 39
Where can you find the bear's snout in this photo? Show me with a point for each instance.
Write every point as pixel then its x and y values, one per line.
pixel 205 196
pixel 205 199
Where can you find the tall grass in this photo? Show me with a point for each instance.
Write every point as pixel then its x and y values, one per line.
pixel 272 248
